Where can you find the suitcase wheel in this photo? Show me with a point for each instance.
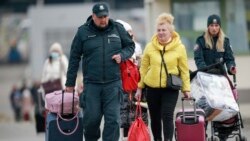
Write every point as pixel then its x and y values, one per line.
pixel 241 138
pixel 213 138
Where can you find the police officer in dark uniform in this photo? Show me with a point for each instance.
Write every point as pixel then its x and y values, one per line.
pixel 102 44
pixel 213 47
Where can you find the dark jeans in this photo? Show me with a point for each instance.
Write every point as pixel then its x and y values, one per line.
pixel 162 103
pixel 100 100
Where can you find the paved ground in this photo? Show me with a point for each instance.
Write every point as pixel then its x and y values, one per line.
pixel 25 131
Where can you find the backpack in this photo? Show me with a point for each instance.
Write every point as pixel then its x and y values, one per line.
pixel 130 76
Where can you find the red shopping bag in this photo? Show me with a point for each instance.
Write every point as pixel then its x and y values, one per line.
pixel 130 76
pixel 138 131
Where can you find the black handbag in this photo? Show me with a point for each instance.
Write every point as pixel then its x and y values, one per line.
pixel 173 81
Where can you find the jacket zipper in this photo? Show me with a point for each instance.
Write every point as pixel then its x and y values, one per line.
pixel 103 64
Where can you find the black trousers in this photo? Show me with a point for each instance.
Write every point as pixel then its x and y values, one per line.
pixel 161 104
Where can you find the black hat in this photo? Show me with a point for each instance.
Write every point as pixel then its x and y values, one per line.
pixel 213 19
pixel 100 9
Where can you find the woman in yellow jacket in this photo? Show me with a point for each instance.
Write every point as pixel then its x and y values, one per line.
pixel 161 99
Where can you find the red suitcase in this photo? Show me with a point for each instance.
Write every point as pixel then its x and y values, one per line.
pixel 190 124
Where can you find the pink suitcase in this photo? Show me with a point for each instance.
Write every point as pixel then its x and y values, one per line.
pixel 190 124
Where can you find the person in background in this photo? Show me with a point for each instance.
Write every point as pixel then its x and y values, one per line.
pixel 128 105
pixel 16 103
pixel 55 66
pixel 102 48
pixel 14 55
pixel 39 109
pixel 35 97
pixel 138 50
pixel 27 104
pixel 213 46
pixel 165 44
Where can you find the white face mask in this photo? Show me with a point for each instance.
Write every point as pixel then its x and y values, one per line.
pixel 54 55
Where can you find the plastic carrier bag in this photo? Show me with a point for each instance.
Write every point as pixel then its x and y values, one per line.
pixel 138 131
pixel 214 95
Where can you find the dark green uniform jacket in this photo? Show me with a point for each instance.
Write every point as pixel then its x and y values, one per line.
pixel 96 47
pixel 204 56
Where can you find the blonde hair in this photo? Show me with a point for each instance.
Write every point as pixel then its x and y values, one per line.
pixel 220 42
pixel 166 18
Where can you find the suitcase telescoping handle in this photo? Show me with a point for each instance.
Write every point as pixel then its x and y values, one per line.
pixel 183 109
pixel 73 103
pixel 59 116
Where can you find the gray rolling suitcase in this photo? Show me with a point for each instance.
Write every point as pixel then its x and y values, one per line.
pixel 70 128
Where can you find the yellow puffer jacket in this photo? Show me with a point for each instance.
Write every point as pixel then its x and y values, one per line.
pixel 153 73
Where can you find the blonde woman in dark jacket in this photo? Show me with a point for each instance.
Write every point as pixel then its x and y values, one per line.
pixel 214 46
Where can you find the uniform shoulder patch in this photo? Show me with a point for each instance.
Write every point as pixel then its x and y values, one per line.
pixel 196 47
